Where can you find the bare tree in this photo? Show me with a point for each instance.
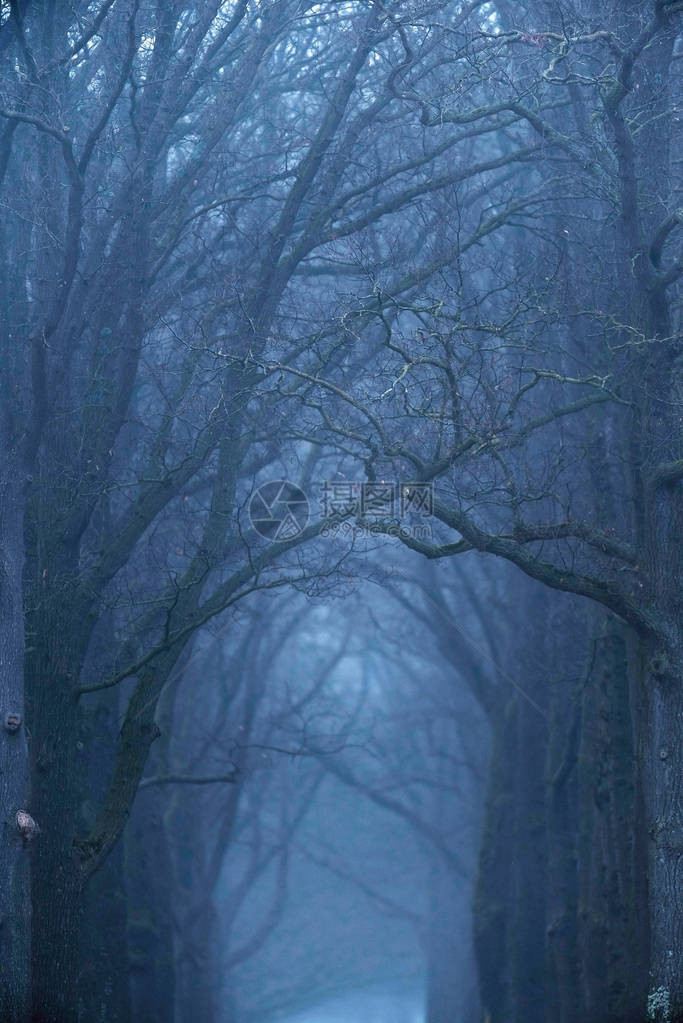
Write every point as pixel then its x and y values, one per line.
pixel 496 384
pixel 429 241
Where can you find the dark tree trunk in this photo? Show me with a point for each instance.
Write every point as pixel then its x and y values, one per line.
pixel 657 454
pixel 58 777
pixel 150 925
pixel 660 699
pixel 613 934
pixel 662 763
pixel 56 882
pixel 527 935
pixel 564 1002
pixel 15 900
pixel 104 992
pixel 510 902
pixel 493 901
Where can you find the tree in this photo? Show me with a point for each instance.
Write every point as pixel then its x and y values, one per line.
pixel 495 384
pixel 239 826
pixel 15 917
pixel 238 236
pixel 126 281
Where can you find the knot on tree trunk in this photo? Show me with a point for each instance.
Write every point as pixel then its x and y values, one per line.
pixel 27 827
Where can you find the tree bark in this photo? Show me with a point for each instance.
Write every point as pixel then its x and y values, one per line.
pixel 58 778
pixel 613 915
pixel 662 764
pixel 104 983
pixel 528 925
pixel 15 901
pixel 149 876
pixel 493 899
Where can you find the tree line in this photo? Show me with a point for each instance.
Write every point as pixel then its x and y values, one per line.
pixel 427 242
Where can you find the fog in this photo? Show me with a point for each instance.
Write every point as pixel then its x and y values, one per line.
pixel 341 394
pixel 366 1007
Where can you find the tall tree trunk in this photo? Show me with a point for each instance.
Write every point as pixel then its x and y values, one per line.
pixel 662 677
pixel 493 900
pixel 199 979
pixel 57 780
pixel 103 990
pixel 662 764
pixel 657 440
pixel 15 901
pixel 613 926
pixel 149 878
pixel 564 998
pixel 527 938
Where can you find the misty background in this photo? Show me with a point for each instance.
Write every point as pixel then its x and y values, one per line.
pixel 341 397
